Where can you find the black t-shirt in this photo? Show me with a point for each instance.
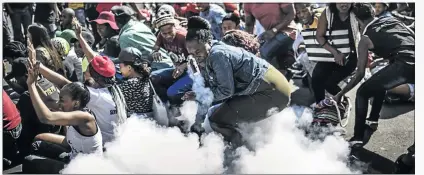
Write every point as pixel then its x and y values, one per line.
pixel 44 13
pixel 19 6
pixel 392 39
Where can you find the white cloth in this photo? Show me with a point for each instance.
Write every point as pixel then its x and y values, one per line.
pixel 102 105
pixel 303 58
pixel 259 29
pixel 84 144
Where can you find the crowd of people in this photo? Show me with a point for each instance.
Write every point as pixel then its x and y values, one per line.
pixel 79 70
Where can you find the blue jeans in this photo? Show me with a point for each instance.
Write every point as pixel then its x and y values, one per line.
pixel 168 88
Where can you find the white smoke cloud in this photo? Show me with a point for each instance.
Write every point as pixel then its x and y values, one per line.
pixel 142 147
pixel 188 113
pixel 280 147
pixel 204 95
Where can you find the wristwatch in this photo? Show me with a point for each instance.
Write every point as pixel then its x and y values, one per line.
pixel 274 30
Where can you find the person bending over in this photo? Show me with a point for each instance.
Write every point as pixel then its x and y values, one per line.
pixel 237 78
pixel 390 39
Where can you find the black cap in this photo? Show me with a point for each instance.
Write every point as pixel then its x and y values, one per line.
pixel 112 48
pixel 131 54
pixel 122 10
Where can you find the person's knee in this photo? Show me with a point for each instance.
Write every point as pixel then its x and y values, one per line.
pixel 364 92
pixel 35 146
pixel 230 134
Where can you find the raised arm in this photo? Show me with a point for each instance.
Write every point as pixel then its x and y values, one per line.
pixel 89 53
pixel 43 112
pixel 50 75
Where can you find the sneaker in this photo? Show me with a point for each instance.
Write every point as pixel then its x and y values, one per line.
pixel 372 124
pixel 367 134
pixel 297 66
pixel 356 143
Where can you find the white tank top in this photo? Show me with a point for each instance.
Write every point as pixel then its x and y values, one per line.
pixel 84 144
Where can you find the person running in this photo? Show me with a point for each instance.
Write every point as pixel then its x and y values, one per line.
pixel 338 57
pixel 237 78
pixel 171 83
pixel 392 40
pixel 106 98
pixel 46 53
pixel 82 136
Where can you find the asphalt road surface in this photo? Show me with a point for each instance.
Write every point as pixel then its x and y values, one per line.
pixel 394 135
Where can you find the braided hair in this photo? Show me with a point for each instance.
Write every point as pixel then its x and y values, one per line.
pixel 15 49
pixel 198 29
pixel 241 39
pixel 78 92
pixel 139 66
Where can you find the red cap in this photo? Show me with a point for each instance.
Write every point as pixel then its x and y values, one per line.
pixel 107 17
pixel 146 14
pixel 230 6
pixel 190 7
pixel 103 65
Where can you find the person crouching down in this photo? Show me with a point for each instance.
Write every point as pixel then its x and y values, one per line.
pixel 237 78
pixel 136 88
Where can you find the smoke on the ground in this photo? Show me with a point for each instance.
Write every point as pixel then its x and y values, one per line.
pixel 280 146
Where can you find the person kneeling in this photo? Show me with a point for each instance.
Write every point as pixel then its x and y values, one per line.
pixel 51 151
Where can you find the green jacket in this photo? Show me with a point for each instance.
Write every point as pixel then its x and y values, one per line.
pixel 138 35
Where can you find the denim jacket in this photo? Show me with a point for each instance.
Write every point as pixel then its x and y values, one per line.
pixel 233 71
